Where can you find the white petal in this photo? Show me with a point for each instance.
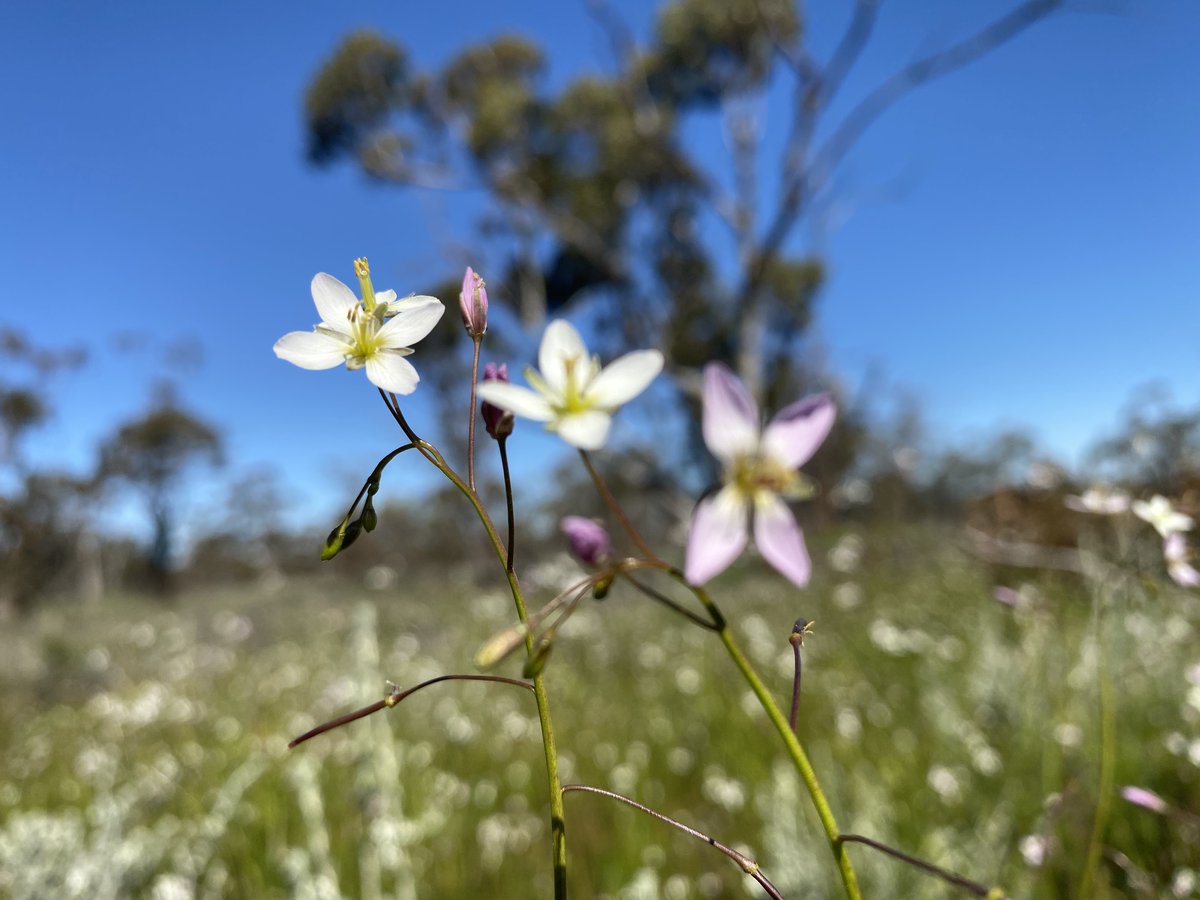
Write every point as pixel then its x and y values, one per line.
pixel 560 343
pixel 796 431
pixel 730 420
pixel 412 322
pixel 333 299
pixel 311 350
pixel 412 301
pixel 392 372
pixel 717 535
pixel 385 298
pixel 585 430
pixel 780 540
pixel 516 399
pixel 623 379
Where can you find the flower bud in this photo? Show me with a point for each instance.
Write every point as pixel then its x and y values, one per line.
pixel 497 421
pixel 588 540
pixel 473 302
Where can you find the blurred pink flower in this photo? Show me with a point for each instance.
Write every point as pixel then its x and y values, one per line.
pixel 1099 500
pixel 760 474
pixel 1175 552
pixel 1146 799
pixel 588 540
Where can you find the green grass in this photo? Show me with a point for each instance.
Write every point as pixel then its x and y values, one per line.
pixel 144 748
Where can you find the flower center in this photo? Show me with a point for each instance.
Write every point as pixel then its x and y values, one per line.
pixel 754 473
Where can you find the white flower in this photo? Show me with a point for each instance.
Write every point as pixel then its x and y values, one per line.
pixel 1162 515
pixel 1099 500
pixel 376 336
pixel 572 394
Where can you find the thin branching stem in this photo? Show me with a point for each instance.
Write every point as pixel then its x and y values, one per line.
pixel 668 602
pixel 797 641
pixel 395 697
pixel 473 416
pixel 749 866
pixel 615 508
pixel 974 887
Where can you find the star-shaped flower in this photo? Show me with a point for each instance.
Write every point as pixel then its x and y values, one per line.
pixel 375 334
pixel 1162 515
pixel 571 393
pixel 760 474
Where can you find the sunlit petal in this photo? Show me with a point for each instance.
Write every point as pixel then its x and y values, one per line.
pixel 796 431
pixel 415 319
pixel 516 399
pixel 585 430
pixel 560 343
pixel 623 379
pixel 333 299
pixel 780 540
pixel 731 423
pixel 718 534
pixel 391 371
pixel 311 350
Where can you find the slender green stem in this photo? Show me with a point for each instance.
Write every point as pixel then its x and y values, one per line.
pixel 474 415
pixel 790 741
pixel 974 887
pixel 1108 760
pixel 557 821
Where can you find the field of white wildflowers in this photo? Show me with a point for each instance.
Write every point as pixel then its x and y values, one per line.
pixel 145 749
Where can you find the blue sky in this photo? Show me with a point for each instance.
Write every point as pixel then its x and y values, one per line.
pixel 1018 244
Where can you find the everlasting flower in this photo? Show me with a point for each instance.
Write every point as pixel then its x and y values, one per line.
pixel 498 422
pixel 572 394
pixel 375 334
pixel 473 303
pixel 588 540
pixel 1175 552
pixel 1162 515
pixel 760 474
pixel 1099 500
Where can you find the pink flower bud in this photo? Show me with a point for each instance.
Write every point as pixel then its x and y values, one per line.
pixel 588 540
pixel 473 302
pixel 497 421
pixel 1139 796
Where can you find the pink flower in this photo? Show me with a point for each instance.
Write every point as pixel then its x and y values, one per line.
pixel 498 422
pixel 760 474
pixel 1146 799
pixel 473 303
pixel 588 540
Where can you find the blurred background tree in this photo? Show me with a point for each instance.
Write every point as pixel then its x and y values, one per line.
pixel 153 454
pixel 596 203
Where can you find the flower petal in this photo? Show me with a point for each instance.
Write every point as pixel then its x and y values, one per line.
pixel 780 540
pixel 389 370
pixel 385 298
pixel 623 379
pixel 585 430
pixel 560 343
pixel 730 423
pixel 717 535
pixel 414 318
pixel 796 431
pixel 333 299
pixel 516 399
pixel 311 349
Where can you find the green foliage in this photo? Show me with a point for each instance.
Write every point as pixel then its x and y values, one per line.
pixel 145 748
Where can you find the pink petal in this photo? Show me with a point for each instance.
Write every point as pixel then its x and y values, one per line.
pixel 731 422
pixel 780 540
pixel 717 536
pixel 796 431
